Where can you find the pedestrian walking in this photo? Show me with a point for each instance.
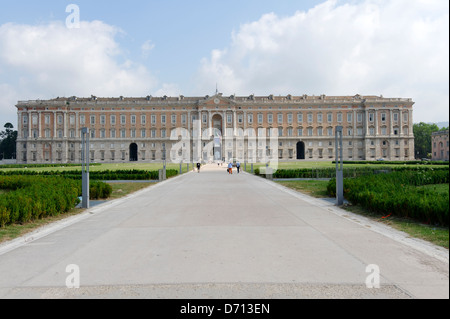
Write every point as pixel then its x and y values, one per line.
pixel 238 166
pixel 230 168
pixel 198 167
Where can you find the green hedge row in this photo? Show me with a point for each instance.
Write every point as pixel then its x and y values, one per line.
pixel 98 175
pixel 347 171
pixel 32 197
pixel 43 165
pixel 29 198
pixel 398 194
pixel 417 162
pixel 99 190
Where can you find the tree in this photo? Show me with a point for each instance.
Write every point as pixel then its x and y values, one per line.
pixel 8 139
pixel 422 138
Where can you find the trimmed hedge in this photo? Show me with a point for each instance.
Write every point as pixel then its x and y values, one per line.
pixel 34 197
pixel 30 198
pixel 99 190
pixel 398 194
pixel 105 175
pixel 416 162
pixel 43 165
pixel 347 171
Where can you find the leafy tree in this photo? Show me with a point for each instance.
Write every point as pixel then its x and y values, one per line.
pixel 422 139
pixel 8 139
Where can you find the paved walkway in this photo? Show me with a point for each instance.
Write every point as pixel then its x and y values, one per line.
pixel 215 235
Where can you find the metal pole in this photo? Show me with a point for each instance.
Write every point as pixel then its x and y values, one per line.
pixel 339 167
pixel 85 167
pixel 164 167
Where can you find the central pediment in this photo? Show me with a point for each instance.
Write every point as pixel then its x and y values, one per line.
pixel 217 101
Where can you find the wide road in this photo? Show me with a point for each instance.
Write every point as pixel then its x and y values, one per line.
pixel 215 235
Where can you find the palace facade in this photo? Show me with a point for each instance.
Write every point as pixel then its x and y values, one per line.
pixel 218 127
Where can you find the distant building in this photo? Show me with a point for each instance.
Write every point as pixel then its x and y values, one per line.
pixel 439 146
pixel 143 129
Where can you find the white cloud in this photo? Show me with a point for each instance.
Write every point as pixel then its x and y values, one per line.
pixel 46 61
pixel 395 48
pixel 147 47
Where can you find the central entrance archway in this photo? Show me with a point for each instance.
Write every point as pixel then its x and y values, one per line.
pixel 217 135
pixel 300 150
pixel 133 152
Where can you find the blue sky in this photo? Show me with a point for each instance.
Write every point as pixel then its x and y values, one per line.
pixel 394 48
pixel 182 31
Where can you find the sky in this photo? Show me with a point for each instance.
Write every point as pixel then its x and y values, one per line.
pixel 57 48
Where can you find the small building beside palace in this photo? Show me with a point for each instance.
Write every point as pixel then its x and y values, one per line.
pixel 221 128
pixel 439 146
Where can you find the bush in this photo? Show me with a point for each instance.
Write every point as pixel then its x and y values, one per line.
pixel 31 198
pixel 347 171
pixel 97 175
pixel 99 190
pixel 397 193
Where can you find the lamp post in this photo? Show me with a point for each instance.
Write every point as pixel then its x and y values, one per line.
pixel 85 167
pixel 339 167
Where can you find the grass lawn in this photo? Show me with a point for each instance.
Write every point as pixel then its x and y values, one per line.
pixel 123 189
pixel 436 235
pixel 312 188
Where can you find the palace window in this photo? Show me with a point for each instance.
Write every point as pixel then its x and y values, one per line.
pixel 260 118
pixel 329 117
pixel 395 117
pixel 319 117
pixel 280 118
pixel 289 118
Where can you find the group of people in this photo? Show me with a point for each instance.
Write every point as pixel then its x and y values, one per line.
pixel 229 169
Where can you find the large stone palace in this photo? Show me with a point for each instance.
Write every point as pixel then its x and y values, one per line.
pixel 215 128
